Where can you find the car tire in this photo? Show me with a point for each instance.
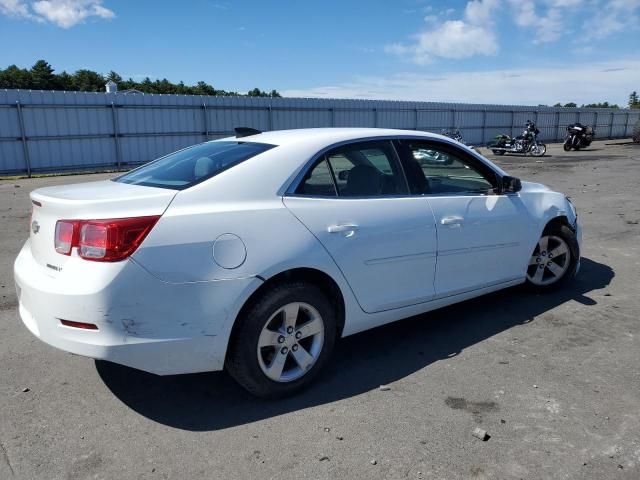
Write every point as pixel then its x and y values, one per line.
pixel 254 355
pixel 559 238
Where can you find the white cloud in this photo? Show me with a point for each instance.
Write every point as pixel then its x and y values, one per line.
pixel 608 81
pixel 481 11
pixel 14 8
pixel 475 33
pixel 618 15
pixel 63 13
pixel 548 27
pixel 452 39
pixel 549 18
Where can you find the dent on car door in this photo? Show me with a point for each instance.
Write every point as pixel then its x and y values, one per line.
pixel 354 199
pixel 482 235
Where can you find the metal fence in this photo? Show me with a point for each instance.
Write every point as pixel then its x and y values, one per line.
pixel 43 131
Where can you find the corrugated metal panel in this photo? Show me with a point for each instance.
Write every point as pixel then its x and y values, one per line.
pixel 76 130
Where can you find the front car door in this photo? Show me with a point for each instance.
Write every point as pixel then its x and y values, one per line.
pixel 354 198
pixel 482 235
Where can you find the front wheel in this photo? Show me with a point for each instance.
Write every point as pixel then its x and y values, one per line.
pixel 498 152
pixel 554 259
pixel 538 150
pixel 566 146
pixel 283 340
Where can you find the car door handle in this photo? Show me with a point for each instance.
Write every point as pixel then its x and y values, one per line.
pixel 347 228
pixel 452 222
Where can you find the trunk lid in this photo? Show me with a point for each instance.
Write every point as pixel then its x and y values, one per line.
pixel 87 201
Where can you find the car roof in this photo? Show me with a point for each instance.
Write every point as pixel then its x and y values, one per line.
pixel 330 135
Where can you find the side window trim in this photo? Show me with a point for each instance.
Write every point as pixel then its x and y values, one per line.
pixel 403 171
pixel 333 175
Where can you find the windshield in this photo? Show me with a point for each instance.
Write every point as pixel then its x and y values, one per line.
pixel 193 165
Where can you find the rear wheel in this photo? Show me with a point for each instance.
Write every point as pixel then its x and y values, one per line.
pixel 554 259
pixel 283 340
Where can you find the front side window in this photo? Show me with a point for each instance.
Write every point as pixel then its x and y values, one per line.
pixel 193 165
pixel 435 169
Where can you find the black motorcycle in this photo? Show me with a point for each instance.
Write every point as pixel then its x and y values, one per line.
pixel 455 135
pixel 525 143
pixel 578 136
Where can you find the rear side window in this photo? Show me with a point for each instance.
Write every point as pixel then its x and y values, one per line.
pixel 193 165
pixel 367 169
pixel 318 182
pixel 363 169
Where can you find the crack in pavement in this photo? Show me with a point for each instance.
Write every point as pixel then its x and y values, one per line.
pixel 5 456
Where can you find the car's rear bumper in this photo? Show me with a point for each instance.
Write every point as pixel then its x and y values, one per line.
pixel 142 322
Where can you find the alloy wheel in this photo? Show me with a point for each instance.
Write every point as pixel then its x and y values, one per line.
pixel 550 261
pixel 290 342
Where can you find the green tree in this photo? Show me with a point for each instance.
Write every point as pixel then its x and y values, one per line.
pixel 114 77
pixel 600 105
pixel 570 105
pixel 42 77
pixel 66 82
pixel 203 88
pixel 634 102
pixel 89 81
pixel 14 77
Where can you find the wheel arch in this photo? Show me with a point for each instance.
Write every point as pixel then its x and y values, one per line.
pixel 309 275
pixel 559 220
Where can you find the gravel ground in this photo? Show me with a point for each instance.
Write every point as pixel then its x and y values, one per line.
pixel 552 378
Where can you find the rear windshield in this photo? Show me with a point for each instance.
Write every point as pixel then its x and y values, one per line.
pixel 193 165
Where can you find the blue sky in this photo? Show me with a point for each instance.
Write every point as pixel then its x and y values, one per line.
pixel 493 51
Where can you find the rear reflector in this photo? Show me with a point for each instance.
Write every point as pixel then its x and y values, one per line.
pixel 82 325
pixel 108 240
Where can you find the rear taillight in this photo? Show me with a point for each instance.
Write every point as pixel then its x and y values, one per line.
pixel 103 240
pixel 64 238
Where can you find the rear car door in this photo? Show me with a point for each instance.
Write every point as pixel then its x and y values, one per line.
pixel 355 200
pixel 482 235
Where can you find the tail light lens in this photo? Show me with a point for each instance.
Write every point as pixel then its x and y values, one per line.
pixel 65 233
pixel 108 240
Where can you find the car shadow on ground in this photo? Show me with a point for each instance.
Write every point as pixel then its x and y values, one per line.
pixel 212 401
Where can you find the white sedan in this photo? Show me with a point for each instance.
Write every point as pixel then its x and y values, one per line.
pixel 256 253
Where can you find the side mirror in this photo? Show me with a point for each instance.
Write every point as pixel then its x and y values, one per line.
pixel 511 184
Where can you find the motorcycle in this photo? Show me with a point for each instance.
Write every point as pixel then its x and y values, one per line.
pixel 578 136
pixel 525 143
pixel 455 135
